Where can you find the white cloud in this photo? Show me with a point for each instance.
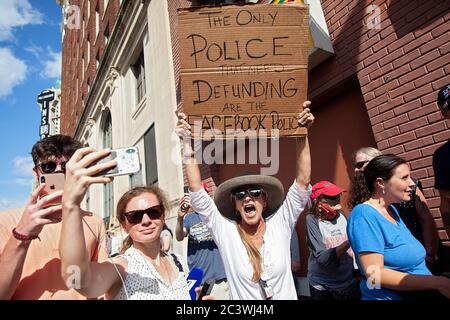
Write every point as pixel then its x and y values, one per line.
pixel 35 50
pixel 12 71
pixel 52 66
pixel 23 166
pixel 23 182
pixel 6 203
pixel 16 13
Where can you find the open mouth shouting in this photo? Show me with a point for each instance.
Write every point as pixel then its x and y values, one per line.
pixel 250 210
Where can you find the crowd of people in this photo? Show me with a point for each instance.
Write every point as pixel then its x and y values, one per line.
pixel 240 238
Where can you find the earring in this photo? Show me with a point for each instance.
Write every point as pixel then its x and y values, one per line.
pixel 384 192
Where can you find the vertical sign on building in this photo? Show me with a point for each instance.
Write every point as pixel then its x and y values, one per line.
pixel 44 99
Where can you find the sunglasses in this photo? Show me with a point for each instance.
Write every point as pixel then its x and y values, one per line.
pixel 254 192
pixel 135 216
pixel 50 166
pixel 360 164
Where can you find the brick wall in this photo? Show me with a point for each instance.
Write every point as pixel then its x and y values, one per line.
pixel 74 45
pixel 400 69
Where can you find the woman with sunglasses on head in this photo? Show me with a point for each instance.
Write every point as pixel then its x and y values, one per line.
pixel 390 258
pixel 143 270
pixel 251 221
pixel 330 264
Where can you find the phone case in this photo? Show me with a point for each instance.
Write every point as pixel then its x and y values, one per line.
pixel 53 182
pixel 127 162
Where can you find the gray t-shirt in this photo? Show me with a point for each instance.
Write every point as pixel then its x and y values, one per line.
pixel 202 250
pixel 324 267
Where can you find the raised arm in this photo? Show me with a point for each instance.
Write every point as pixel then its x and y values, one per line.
pixel 192 168
pixel 303 174
pixel 91 279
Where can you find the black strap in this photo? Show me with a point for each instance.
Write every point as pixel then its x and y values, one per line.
pixel 177 263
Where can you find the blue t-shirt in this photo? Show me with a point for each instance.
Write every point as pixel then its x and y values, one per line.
pixel 202 250
pixel 369 231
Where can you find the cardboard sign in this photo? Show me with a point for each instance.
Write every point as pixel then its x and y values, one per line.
pixel 244 67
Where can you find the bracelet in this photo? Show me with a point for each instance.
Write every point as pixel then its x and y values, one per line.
pixel 23 237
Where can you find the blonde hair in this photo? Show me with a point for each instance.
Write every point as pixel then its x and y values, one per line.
pixel 369 151
pixel 253 253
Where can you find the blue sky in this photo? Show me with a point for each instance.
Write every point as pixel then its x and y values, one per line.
pixel 30 61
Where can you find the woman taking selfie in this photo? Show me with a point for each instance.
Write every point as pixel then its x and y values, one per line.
pixel 143 271
pixel 391 259
pixel 251 221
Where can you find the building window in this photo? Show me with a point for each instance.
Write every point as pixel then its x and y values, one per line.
pixel 108 192
pixel 139 74
pixel 106 35
pixel 82 67
pixel 151 166
pixel 88 51
pixel 136 179
pixel 83 27
pixel 97 20
pixel 97 59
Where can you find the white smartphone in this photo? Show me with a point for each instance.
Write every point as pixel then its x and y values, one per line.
pixel 127 162
pixel 53 182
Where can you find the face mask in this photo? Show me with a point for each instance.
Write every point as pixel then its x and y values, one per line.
pixel 328 213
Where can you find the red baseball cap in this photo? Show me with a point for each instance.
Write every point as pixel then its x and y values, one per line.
pixel 205 186
pixel 325 188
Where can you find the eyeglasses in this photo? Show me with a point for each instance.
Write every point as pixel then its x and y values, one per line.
pixel 135 216
pixel 50 166
pixel 360 164
pixel 252 192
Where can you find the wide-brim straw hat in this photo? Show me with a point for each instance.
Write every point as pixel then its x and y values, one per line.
pixel 272 187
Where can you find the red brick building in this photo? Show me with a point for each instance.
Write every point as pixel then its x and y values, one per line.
pixel 83 49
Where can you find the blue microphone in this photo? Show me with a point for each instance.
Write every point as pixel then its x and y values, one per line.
pixel 194 280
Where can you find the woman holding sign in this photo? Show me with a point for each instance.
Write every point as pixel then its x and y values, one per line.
pixel 251 221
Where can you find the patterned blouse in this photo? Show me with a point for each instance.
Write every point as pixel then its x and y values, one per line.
pixel 143 282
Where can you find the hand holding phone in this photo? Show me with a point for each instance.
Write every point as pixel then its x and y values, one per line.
pixel 127 162
pixel 206 289
pixel 53 182
pixel 185 204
